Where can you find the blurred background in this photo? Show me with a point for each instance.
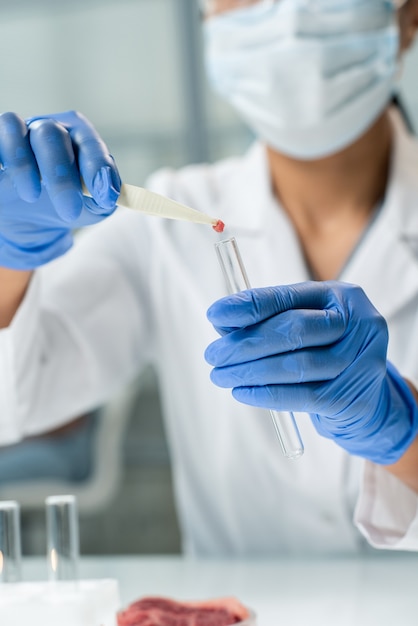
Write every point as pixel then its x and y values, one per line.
pixel 135 68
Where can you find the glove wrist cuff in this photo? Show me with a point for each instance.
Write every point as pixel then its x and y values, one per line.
pixel 403 418
pixel 29 258
pixel 394 424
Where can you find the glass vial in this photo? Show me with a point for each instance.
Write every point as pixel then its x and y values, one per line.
pixel 62 537
pixel 237 280
pixel 10 543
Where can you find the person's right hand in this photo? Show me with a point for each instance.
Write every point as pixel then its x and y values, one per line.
pixel 44 161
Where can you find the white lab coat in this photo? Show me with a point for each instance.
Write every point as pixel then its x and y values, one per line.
pixel 135 290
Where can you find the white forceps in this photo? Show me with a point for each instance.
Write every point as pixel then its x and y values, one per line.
pixel 151 203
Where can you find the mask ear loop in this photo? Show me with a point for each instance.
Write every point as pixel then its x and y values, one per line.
pixel 396 99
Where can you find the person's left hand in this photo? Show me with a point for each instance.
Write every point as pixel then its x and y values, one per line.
pixel 319 348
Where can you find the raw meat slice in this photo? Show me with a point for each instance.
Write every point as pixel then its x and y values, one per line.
pixel 157 611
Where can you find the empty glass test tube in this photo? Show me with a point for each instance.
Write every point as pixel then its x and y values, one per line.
pixel 10 544
pixel 62 537
pixel 237 280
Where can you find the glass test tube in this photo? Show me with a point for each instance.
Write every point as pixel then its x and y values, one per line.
pixel 10 545
pixel 62 537
pixel 237 280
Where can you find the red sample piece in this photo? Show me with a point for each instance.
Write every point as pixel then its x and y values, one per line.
pixel 219 226
pixel 156 611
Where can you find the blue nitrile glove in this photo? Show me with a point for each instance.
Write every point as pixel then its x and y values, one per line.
pixel 320 348
pixel 41 202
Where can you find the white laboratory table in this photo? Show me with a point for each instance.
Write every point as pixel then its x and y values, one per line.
pixel 370 591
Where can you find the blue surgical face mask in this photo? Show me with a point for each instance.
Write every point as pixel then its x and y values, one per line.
pixel 308 77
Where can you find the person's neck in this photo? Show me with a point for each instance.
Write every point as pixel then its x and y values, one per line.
pixel 348 185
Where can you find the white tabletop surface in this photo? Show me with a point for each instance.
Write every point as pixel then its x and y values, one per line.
pixel 378 591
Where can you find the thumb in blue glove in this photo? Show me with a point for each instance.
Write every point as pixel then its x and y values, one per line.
pixel 319 348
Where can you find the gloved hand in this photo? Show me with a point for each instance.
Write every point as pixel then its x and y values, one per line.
pixel 320 348
pixel 41 199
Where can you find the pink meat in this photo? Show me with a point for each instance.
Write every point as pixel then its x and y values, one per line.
pixel 166 612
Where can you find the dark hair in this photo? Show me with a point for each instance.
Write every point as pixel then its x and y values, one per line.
pixel 398 102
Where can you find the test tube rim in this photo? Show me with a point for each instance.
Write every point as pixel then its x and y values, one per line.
pixel 67 499
pixel 9 505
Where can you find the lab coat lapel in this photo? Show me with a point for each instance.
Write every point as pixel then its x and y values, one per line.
pixel 386 262
pixel 246 194
pixel 386 270
pixel 264 233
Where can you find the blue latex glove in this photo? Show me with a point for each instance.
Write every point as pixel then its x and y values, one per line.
pixel 41 200
pixel 320 348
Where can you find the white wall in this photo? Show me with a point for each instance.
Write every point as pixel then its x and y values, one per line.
pixel 120 62
pixel 117 62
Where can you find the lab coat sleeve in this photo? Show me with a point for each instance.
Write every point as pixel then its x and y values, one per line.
pixel 82 331
pixel 387 510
